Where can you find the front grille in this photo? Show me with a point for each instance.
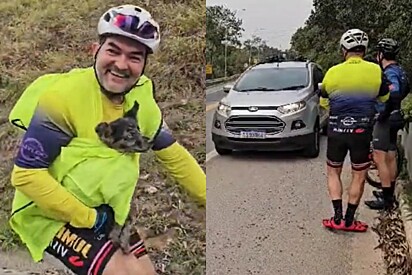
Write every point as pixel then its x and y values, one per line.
pixel 269 124
pixel 265 108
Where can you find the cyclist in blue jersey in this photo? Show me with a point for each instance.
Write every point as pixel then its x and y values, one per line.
pixel 385 132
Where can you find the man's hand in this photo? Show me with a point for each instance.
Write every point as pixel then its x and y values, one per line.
pixel 104 220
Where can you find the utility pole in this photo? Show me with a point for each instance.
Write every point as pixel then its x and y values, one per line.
pixel 226 54
pixel 250 53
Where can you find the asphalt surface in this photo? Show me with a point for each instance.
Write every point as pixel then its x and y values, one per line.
pixel 264 216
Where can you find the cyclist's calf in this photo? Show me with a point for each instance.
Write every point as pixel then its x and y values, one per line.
pixel 357 185
pixel 392 164
pixel 381 160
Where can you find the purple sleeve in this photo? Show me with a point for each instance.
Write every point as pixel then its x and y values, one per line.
pixel 42 142
pixel 164 139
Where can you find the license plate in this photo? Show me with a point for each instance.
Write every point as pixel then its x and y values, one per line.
pixel 253 134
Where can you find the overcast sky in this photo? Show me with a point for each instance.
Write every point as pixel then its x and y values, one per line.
pixel 273 20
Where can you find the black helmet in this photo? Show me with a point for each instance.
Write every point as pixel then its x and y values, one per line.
pixel 388 46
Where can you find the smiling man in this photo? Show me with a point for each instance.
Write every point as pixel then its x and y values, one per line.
pixel 69 107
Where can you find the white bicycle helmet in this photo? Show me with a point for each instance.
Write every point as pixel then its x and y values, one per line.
pixel 354 38
pixel 133 22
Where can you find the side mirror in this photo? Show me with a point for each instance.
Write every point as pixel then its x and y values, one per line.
pixel 227 88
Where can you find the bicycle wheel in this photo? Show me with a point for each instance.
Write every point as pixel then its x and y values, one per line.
pixel 372 176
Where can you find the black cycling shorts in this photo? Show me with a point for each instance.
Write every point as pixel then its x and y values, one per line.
pixel 358 146
pixel 385 135
pixel 84 252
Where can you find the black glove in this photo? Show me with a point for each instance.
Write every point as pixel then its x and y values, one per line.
pixel 397 120
pixel 104 220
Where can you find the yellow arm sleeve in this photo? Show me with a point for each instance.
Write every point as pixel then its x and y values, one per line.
pixel 185 169
pixel 324 103
pixel 39 186
pixel 324 100
pixel 383 98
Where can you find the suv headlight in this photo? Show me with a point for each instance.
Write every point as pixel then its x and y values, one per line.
pixel 292 107
pixel 223 109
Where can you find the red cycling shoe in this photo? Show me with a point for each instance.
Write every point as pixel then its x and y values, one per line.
pixel 330 223
pixel 357 226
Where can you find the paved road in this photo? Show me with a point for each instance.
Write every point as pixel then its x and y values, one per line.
pixel 264 217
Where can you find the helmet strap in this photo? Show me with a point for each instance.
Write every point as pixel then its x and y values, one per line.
pixel 380 59
pixel 345 52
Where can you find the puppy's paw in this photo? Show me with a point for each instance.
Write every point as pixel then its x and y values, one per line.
pixel 125 241
pixel 115 235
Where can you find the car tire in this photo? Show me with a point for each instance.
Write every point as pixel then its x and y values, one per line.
pixel 222 151
pixel 313 149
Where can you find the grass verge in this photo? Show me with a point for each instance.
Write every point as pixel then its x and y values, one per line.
pixel 40 37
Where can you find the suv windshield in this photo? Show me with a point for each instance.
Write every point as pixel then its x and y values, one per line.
pixel 273 79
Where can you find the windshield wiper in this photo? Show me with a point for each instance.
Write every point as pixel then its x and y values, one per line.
pixel 258 89
pixel 294 87
pixel 272 89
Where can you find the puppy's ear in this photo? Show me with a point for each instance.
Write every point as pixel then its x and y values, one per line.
pixel 103 129
pixel 132 113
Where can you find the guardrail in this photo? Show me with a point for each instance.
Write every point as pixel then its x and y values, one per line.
pixel 211 82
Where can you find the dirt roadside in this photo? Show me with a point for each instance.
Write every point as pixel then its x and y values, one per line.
pixel 19 262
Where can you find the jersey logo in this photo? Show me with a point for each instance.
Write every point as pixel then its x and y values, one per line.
pixel 32 150
pixel 75 261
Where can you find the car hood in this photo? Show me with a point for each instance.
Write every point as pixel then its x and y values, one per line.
pixel 266 98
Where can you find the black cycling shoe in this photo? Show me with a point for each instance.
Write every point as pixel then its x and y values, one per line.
pixel 380 204
pixel 378 194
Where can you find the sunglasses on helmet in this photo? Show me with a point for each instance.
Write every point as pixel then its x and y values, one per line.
pixel 130 23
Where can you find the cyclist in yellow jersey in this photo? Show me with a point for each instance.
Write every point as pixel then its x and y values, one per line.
pixel 350 91
pixel 69 108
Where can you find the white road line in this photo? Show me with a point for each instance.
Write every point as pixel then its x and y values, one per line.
pixel 211 106
pixel 211 155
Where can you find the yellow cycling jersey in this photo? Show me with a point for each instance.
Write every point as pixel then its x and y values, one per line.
pixel 69 107
pixel 353 87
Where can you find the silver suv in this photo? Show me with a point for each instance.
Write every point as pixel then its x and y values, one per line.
pixel 273 106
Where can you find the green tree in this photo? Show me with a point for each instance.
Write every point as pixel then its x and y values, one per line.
pixel 222 26
pixel 319 38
